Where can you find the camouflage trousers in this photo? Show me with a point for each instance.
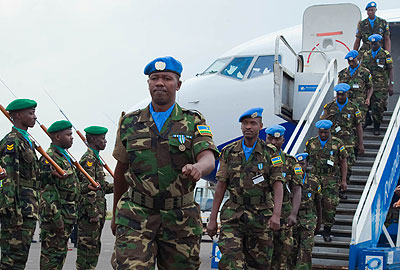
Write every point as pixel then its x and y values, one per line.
pixel 89 244
pixel 351 160
pixel 16 242
pixel 330 199
pixel 360 102
pixel 245 244
pixel 283 244
pixel 378 104
pixel 54 247
pixel 303 238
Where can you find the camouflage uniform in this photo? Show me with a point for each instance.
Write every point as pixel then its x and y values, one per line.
pixel 360 82
pixel 364 30
pixel 245 238
pixel 344 126
pixel 157 218
pixel 91 211
pixel 58 207
pixel 19 199
pixel 325 164
pixel 379 68
pixel 283 239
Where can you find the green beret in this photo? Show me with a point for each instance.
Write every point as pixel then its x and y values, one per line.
pixel 59 126
pixel 96 130
pixel 21 104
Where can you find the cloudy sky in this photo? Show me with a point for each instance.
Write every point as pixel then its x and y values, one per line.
pixel 90 54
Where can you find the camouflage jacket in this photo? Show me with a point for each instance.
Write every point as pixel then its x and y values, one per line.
pixel 364 30
pixel 360 82
pixel 59 197
pixel 326 161
pixel 344 121
pixel 93 203
pixel 293 175
pixel 156 160
pixel 251 178
pixel 379 68
pixel 310 194
pixel 20 191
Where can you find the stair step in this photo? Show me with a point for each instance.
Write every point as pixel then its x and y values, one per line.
pixel 319 264
pixel 337 241
pixel 359 170
pixel 331 253
pixel 369 144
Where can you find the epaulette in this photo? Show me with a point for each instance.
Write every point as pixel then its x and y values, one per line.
pixel 193 112
pixel 385 51
pixel 273 147
pixel 337 140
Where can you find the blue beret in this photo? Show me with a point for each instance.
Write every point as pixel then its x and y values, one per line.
pixel 342 88
pixel 252 113
pixel 160 64
pixel 351 55
pixel 324 124
pixel 96 130
pixel 275 131
pixel 370 4
pixel 21 104
pixel 375 38
pixel 59 126
pixel 301 156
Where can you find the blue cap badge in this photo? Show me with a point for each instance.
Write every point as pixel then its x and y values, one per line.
pixel 324 124
pixel 275 131
pixel 375 38
pixel 160 64
pixel 351 55
pixel 252 113
pixel 342 88
pixel 370 4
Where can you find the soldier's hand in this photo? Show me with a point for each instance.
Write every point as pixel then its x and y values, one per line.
pixel 59 176
pixel 92 188
pixel 361 149
pixel 391 90
pixel 397 190
pixel 3 175
pixel 292 219
pixel 212 228
pixel 191 172
pixel 113 225
pixel 274 223
pixel 367 102
pixel 317 228
pixel 343 186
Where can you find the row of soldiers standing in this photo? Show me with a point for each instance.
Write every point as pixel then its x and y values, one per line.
pixel 32 190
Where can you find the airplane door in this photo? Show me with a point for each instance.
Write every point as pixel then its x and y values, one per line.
pixel 328 32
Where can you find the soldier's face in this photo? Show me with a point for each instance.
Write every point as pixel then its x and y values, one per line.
pixel 371 12
pixel 303 165
pixel 100 142
pixel 324 134
pixel 375 45
pixel 64 138
pixel 26 117
pixel 163 87
pixel 276 141
pixel 251 127
pixel 341 98
pixel 353 63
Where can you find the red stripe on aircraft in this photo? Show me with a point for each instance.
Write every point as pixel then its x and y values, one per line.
pixel 330 34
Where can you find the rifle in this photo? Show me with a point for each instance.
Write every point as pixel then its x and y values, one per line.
pixel 37 146
pixel 80 134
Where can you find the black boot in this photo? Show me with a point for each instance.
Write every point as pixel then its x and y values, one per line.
pixel 368 120
pixel 342 195
pixel 376 128
pixel 327 234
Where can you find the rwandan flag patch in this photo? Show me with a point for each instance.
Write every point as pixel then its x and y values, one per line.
pixel 341 148
pixel 298 170
pixel 389 60
pixel 204 130
pixel 276 161
pixel 358 113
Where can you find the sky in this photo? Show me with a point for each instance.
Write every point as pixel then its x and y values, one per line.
pixel 90 54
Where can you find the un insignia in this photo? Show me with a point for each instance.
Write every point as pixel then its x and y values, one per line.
pixel 160 65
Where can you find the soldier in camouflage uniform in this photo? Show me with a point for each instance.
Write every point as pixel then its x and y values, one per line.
pixel 59 198
pixel 346 119
pixel 163 150
pixel 309 219
pixel 293 176
pixel 360 81
pixel 369 26
pixel 251 170
pixel 20 189
pixel 328 158
pixel 379 62
pixel 92 205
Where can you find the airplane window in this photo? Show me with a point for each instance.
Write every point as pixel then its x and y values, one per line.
pixel 263 65
pixel 216 66
pixel 237 67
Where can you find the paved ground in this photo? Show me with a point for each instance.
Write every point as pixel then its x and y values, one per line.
pixel 106 251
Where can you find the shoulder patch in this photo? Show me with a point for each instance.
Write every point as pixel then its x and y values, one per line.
pixel 10 148
pixel 342 148
pixel 90 164
pixel 389 60
pixel 358 113
pixel 319 190
pixel 325 105
pixel 276 161
pixel 298 170
pixel 204 130
pixel 307 143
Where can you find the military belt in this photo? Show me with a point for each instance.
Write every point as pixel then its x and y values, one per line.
pixel 68 196
pixel 29 183
pixel 251 200
pixel 323 170
pixel 303 212
pixel 161 203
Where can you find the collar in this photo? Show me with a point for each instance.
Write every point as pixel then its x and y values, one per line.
pixel 257 148
pixel 145 114
pixel 96 153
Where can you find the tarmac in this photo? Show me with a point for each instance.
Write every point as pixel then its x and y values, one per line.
pixel 107 248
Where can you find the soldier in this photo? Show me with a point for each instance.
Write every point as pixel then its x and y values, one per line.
pixel 59 198
pixel 309 219
pixel 328 158
pixel 360 81
pixel 250 170
pixel 293 176
pixel 163 150
pixel 20 189
pixel 346 119
pixel 379 62
pixel 92 206
pixel 369 26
